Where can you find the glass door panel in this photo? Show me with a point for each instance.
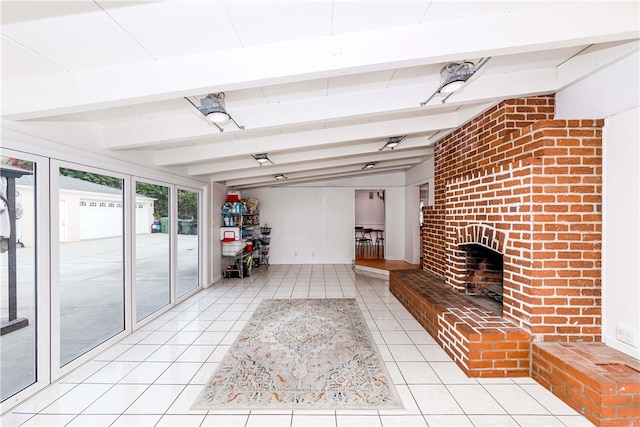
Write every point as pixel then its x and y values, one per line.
pixel 91 261
pixel 153 256
pixel 17 276
pixel 188 247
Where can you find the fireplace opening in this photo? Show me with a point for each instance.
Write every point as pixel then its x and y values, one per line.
pixel 483 277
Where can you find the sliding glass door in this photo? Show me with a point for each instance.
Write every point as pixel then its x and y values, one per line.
pixel 91 286
pixel 188 242
pixel 18 275
pixel 152 285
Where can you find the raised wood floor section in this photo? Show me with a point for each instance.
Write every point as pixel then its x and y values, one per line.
pixel 386 265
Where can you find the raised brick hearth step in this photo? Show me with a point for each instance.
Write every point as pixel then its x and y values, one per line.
pixel 481 343
pixel 601 383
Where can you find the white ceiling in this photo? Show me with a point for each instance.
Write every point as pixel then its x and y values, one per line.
pixel 318 85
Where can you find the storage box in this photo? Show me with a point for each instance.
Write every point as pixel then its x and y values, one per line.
pixel 233 196
pixel 232 248
pixel 229 234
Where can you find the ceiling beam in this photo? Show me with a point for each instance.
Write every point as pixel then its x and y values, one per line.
pixel 257 170
pixel 515 32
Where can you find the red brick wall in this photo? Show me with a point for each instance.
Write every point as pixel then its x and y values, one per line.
pixel 539 185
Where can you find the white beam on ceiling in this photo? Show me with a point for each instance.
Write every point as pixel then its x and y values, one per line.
pixel 302 140
pixel 406 156
pixel 515 32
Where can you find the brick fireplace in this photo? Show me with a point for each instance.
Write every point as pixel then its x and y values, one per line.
pixel 528 188
pixel 517 209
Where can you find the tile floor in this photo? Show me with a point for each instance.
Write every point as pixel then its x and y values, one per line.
pixel 152 377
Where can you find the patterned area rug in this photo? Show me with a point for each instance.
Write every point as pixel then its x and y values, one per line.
pixel 302 354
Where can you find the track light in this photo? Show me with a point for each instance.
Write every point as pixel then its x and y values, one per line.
pixel 393 142
pixel 369 165
pixel 261 158
pixel 279 176
pixel 454 75
pixel 213 108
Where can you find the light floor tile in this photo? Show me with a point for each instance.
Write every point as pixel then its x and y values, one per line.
pixel 269 420
pixel 167 353
pixel 448 421
pixel 403 421
pixel 179 373
pixel 406 353
pixel 112 352
pixel 117 399
pixel 217 314
pixel 396 337
pixel 433 353
pixel 93 420
pixel 515 400
pixel 182 404
pixel 204 373
pixel 435 399
pixel 112 372
pixel 76 400
pixel 14 419
pixel 547 399
pixel 45 398
pixel 136 420
pixel 358 421
pixel 418 373
pixel 181 420
pixel 574 421
pixel 83 372
pixel 155 400
pixel 138 353
pixel 48 420
pixel 421 337
pixel 145 373
pixel 537 421
pixel 313 420
pixel 474 399
pixel 450 373
pixel 227 420
pixel 493 420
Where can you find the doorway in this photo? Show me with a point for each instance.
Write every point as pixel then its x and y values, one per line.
pixel 369 233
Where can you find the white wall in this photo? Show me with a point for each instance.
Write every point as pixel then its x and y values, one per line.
pixel 621 230
pixel 314 223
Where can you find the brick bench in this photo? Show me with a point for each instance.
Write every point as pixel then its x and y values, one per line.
pixel 481 343
pixel 599 382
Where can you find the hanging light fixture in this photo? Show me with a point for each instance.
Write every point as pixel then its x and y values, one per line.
pixel 261 158
pixel 213 108
pixel 368 165
pixel 393 142
pixel 454 75
pixel 279 176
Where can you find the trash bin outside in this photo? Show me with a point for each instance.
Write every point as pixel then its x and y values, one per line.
pixel 164 224
pixel 184 226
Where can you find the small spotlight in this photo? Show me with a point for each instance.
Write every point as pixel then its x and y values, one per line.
pixel 279 176
pixel 261 158
pixel 369 165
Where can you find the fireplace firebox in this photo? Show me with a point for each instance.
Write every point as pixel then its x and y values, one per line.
pixel 483 276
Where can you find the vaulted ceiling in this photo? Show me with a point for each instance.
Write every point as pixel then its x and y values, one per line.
pixel 319 86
